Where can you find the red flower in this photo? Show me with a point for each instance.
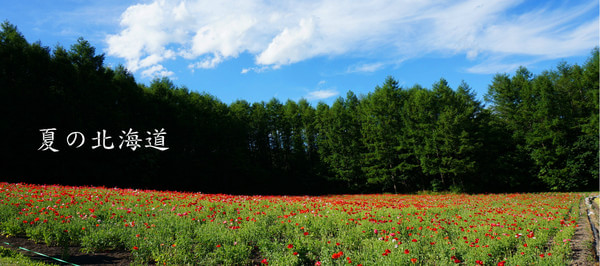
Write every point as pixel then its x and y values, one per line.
pixel 290 246
pixel 501 263
pixel 406 251
pixel 295 253
pixel 264 261
pixel 318 263
pixel 541 255
pixel 135 248
pixel 305 233
pixel 414 240
pixel 337 255
pixel 413 260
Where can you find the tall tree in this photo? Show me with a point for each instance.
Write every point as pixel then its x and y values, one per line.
pixel 386 156
pixel 342 132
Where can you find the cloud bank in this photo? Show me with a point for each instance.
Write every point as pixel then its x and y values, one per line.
pixel 279 33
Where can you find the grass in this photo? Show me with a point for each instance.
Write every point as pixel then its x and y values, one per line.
pixel 11 257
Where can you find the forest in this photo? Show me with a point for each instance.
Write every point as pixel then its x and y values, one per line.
pixel 534 132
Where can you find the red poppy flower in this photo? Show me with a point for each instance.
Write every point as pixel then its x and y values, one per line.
pixel 337 255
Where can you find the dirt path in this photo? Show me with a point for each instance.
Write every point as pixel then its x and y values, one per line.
pixel 75 256
pixel 583 243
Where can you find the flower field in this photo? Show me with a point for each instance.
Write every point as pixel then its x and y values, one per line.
pixel 208 229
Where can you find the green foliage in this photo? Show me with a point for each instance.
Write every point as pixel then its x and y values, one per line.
pixel 385 161
pixel 176 228
pixel 552 119
pixel 341 144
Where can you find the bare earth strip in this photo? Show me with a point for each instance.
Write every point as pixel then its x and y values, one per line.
pixel 583 242
pixel 75 256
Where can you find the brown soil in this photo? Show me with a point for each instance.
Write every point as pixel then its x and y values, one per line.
pixel 583 242
pixel 75 255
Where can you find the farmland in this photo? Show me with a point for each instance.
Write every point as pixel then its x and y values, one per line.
pixel 176 228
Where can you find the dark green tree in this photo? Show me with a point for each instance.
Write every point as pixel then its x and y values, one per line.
pixel 386 161
pixel 342 140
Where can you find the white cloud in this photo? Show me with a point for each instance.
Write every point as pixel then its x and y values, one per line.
pixel 256 69
pixel 492 67
pixel 322 94
pixel 281 33
pixel 157 71
pixel 291 45
pixel 208 62
pixel 369 67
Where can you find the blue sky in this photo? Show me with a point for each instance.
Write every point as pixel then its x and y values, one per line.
pixel 318 50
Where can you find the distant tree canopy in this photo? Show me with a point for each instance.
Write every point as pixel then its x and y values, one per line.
pixel 539 132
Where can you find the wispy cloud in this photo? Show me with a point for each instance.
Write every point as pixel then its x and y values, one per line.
pixel 157 71
pixel 322 94
pixel 207 63
pixel 284 33
pixel 492 67
pixel 255 69
pixel 370 67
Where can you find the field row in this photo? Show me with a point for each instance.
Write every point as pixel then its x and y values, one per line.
pixel 181 228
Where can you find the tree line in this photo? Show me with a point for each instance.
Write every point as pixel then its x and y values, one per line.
pixel 536 133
